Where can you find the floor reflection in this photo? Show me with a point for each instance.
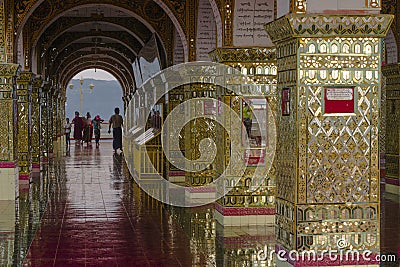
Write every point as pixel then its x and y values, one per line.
pixel 20 219
pixel 84 210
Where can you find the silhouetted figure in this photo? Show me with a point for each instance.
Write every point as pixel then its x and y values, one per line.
pixel 88 130
pixel 78 127
pixel 116 123
pixel 157 121
pixel 67 132
pixel 96 127
pixel 247 118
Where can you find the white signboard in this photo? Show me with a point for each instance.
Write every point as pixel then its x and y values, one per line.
pixel 339 94
pixel 179 55
pixel 391 48
pixel 250 16
pixel 206 31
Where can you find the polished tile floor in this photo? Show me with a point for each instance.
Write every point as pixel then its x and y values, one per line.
pixel 84 210
pixel 99 218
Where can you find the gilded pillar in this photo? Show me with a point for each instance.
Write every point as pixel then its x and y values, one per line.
pixel 252 200
pixel 57 109
pixel 8 132
pixel 194 132
pixel 175 98
pixel 329 84
pixel 62 118
pixel 44 124
pixel 191 30
pixel 392 112
pixel 50 122
pixel 56 116
pixel 3 31
pixel 24 90
pixel 35 110
pixel 57 101
pixel 9 37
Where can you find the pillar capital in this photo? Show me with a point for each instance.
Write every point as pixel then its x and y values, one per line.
pixel 241 55
pixel 26 77
pixel 392 74
pixel 37 83
pixel 324 25
pixel 46 87
pixel 9 70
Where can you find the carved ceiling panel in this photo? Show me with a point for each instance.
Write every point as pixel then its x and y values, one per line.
pixel 116 47
pixel 70 61
pixel 64 23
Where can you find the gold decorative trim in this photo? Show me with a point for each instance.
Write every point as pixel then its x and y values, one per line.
pixel 3 30
pixel 9 70
pixel 391 70
pixel 242 55
pixel 25 77
pixel 314 26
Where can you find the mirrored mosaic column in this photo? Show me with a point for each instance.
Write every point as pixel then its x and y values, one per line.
pixel 50 122
pixel 62 118
pixel 175 172
pixel 252 200
pixel 59 119
pixel 24 90
pixel 329 83
pixel 8 132
pixel 35 107
pixel 195 131
pixel 392 112
pixel 44 124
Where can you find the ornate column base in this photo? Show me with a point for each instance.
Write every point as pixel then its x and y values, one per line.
pixel 200 193
pixel 35 168
pixel 230 247
pixel 244 216
pixel 24 178
pixel 8 177
pixel 392 186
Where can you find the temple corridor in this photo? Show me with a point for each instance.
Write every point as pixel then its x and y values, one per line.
pixel 97 216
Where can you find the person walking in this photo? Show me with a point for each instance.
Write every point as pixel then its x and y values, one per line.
pixel 116 123
pixel 78 127
pixel 67 132
pixel 96 127
pixel 248 118
pixel 88 130
pixel 157 121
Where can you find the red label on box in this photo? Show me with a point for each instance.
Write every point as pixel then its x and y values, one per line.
pixel 339 100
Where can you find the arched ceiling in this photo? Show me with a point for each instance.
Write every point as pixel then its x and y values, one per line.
pixel 59 37
pixel 111 66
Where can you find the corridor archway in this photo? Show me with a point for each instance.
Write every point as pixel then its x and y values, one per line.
pixel 101 100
